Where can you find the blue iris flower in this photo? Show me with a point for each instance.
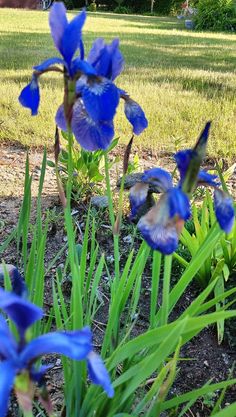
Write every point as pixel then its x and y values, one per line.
pixel 17 281
pixel 17 357
pixel 91 97
pixel 163 223
pixel 161 226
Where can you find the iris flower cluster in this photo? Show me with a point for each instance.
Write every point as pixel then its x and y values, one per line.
pixel 163 223
pixel 18 356
pixel 90 95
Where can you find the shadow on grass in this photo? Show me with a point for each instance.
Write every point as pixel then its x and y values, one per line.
pixel 144 52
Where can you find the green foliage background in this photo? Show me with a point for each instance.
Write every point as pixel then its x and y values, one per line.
pixel 216 15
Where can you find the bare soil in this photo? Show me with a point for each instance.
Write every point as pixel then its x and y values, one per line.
pixel 205 358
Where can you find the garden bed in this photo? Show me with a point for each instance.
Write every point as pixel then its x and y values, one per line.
pixel 202 358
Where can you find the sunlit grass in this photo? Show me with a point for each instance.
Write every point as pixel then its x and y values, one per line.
pixel 180 78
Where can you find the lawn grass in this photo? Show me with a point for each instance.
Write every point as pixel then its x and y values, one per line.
pixel 180 78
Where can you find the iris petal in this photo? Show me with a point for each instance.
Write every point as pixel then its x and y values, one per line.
pixel 90 135
pixel 107 59
pixel 72 37
pixel 159 229
pixel 37 375
pixel 78 65
pixel 137 197
pixel 200 147
pixel 95 51
pixel 7 376
pixel 156 228
pixel 117 59
pixel 17 282
pixel 8 346
pixel 75 345
pixel 30 97
pixel 159 177
pixel 136 116
pixel 204 178
pixel 98 373
pixel 47 63
pixel 58 23
pixel 22 312
pixel 60 118
pixel 178 203
pixel 101 98
pixel 182 159
pixel 224 210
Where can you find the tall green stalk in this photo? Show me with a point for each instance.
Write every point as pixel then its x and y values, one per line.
pixel 112 220
pixel 76 296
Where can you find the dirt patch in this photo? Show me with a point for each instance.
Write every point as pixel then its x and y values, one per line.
pixel 203 358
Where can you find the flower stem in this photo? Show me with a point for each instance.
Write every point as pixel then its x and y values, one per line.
pixel 112 221
pixel 76 309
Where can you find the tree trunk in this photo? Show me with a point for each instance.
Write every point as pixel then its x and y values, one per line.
pixel 152 5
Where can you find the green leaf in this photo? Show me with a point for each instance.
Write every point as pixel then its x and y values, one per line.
pixel 50 163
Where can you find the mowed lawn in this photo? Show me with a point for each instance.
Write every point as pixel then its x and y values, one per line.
pixel 180 78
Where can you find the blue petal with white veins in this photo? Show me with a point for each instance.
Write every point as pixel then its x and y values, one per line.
pixel 101 98
pixel 90 135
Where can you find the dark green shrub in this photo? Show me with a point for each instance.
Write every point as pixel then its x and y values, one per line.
pixel 216 15
pixel 122 10
pixel 92 7
pixel 69 4
pixel 163 6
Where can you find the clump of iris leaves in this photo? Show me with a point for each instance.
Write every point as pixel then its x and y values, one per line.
pixel 125 375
